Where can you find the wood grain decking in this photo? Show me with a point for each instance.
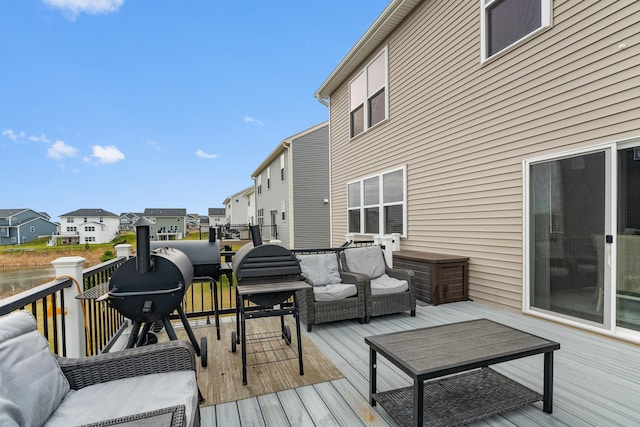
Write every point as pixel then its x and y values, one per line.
pixel 596 381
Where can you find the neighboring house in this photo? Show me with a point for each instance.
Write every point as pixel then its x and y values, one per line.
pixel 217 217
pixel 292 189
pixel 127 219
pixel 193 222
pixel 170 224
pixel 88 226
pixel 237 207
pixel 18 226
pixel 504 133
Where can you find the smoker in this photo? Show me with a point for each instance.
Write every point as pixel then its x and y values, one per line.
pixel 205 258
pixel 150 286
pixel 268 276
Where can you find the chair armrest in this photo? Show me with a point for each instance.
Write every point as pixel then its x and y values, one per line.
pixel 174 414
pixel 357 279
pixel 151 359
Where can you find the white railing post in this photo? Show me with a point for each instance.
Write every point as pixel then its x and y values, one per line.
pixel 350 237
pixel 74 312
pixel 387 241
pixel 123 249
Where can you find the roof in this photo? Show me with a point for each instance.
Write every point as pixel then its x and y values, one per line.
pixel 164 212
pixel 246 191
pixel 283 145
pixel 216 211
pixel 89 212
pixel 6 213
pixel 388 20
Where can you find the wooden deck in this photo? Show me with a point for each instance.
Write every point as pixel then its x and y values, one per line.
pixel 596 381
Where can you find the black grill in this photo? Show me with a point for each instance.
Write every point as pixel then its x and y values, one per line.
pixel 150 286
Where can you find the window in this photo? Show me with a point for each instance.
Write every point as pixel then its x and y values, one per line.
pixel 269 177
pixel 32 229
pixel 281 167
pixel 507 22
pixel 368 95
pixel 69 219
pixel 259 184
pixel 261 216
pixel 376 204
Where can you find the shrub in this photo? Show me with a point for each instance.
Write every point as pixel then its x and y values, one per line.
pixel 107 256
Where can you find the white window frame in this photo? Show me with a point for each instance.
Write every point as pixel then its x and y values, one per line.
pixel 269 178
pixel 259 184
pixel 368 96
pixel 546 10
pixel 381 204
pixel 282 176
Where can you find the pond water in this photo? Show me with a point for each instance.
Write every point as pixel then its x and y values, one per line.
pixel 13 282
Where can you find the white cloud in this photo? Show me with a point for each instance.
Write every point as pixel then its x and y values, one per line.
pixel 93 7
pixel 13 135
pixel 153 144
pixel 204 155
pixel 252 120
pixel 60 150
pixel 40 138
pixel 109 154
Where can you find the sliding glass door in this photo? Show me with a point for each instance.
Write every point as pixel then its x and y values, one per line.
pixel 584 237
pixel 567 219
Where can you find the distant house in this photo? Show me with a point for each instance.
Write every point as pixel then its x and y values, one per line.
pixel 170 224
pixel 88 226
pixel 193 222
pixel 292 189
pixel 127 219
pixel 217 217
pixel 237 207
pixel 19 226
pixel 503 131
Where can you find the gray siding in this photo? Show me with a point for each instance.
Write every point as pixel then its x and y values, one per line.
pixel 310 188
pixel 462 128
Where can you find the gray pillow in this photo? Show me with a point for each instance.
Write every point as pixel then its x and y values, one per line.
pixel 321 269
pixel 32 380
pixel 367 260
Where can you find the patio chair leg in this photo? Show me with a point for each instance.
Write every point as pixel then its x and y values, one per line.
pixel 413 313
pixel 309 326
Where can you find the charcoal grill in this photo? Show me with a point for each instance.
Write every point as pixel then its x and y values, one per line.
pixel 268 276
pixel 149 287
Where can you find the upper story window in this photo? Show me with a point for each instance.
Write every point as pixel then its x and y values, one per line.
pixel 259 184
pixel 377 204
pixel 269 177
pixel 69 219
pixel 281 167
pixel 509 22
pixel 368 95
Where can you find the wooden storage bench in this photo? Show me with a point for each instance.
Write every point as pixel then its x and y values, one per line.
pixel 439 278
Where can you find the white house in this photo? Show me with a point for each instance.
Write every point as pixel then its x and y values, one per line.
pixel 89 226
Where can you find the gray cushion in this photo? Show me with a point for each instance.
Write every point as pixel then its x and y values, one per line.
pixel 367 260
pixel 32 384
pixel 335 292
pixel 129 396
pixel 321 269
pixel 388 285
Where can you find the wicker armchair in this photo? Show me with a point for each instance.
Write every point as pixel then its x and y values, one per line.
pixel 335 306
pixel 384 292
pixel 101 390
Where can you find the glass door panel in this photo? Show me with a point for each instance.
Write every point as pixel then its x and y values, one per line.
pixel 628 240
pixel 567 222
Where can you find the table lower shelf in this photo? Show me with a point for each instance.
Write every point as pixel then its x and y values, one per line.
pixel 459 399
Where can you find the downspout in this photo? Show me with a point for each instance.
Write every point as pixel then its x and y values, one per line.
pixel 286 144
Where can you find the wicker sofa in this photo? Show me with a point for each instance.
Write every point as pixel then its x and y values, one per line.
pixel 334 294
pixel 153 384
pixel 387 290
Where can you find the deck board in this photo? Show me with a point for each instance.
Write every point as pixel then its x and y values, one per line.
pixel 596 378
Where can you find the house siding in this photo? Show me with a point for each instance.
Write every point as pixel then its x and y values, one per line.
pixel 310 178
pixel 271 199
pixel 462 128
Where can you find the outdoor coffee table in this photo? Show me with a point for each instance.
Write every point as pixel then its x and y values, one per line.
pixel 457 348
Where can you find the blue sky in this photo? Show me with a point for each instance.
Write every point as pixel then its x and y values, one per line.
pixel 131 104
